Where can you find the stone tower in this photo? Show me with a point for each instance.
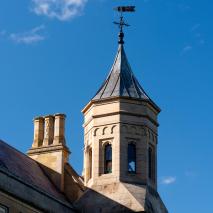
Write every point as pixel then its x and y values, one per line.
pixel 120 145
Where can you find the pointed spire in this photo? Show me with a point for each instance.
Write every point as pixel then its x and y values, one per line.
pixel 121 81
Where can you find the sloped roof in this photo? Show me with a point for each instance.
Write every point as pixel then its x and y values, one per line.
pixel 141 199
pixel 121 81
pixel 27 170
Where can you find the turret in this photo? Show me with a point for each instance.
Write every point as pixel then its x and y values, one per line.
pixel 120 142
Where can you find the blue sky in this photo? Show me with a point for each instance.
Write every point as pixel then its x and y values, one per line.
pixel 54 57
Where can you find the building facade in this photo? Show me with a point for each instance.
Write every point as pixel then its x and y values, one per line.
pixel 120 155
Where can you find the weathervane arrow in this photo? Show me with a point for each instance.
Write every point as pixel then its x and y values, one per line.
pixel 122 23
pixel 125 9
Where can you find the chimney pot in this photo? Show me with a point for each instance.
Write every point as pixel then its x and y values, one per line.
pixel 59 130
pixel 38 132
pixel 49 130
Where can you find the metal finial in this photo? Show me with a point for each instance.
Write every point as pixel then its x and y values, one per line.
pixel 122 23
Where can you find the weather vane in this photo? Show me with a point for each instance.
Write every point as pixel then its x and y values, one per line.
pixel 121 24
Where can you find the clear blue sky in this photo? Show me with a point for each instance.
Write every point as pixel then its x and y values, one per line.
pixel 53 58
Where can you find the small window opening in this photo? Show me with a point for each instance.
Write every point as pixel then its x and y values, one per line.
pixel 151 166
pixel 90 163
pixel 131 158
pixel 108 159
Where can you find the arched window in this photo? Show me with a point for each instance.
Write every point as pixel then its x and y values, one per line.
pixel 90 163
pixel 151 161
pixel 131 158
pixel 108 159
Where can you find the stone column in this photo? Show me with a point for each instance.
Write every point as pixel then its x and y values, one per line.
pixel 59 129
pixel 38 132
pixel 49 130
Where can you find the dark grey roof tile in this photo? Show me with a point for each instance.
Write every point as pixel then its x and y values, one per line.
pixel 27 170
pixel 121 81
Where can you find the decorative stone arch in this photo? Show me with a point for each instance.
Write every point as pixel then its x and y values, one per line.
pixel 105 142
pixel 105 130
pixel 95 133
pixel 133 130
pixel 132 141
pixel 124 128
pixel 113 129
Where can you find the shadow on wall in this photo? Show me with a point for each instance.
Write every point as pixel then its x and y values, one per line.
pixel 85 200
pixel 72 183
pixel 145 199
pixel 94 202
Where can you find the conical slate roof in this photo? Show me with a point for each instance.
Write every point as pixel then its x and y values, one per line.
pixel 121 81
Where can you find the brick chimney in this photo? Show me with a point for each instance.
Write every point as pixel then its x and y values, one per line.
pixel 49 146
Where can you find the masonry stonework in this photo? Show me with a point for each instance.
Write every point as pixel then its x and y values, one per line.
pixel 121 116
pixel 120 155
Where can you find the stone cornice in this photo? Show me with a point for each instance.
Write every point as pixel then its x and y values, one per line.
pixel 50 148
pixel 151 103
pixel 121 113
